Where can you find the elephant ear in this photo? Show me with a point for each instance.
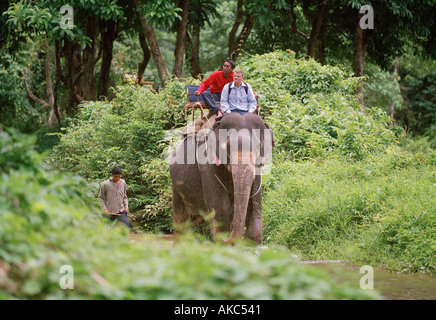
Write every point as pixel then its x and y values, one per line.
pixel 216 124
pixel 267 127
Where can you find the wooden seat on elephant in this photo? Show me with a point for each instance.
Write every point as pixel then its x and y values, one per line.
pixel 195 102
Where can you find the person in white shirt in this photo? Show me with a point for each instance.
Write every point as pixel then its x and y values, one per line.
pixel 113 197
pixel 238 96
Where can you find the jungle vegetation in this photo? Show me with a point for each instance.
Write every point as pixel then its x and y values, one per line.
pixel 352 175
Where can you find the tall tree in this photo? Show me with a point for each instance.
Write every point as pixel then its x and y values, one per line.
pixel 49 103
pixel 237 41
pixel 361 39
pixel 21 21
pixel 75 42
pixel 108 35
pixel 315 19
pixel 145 53
pixel 394 22
pixel 181 26
pixel 200 14
pixel 161 13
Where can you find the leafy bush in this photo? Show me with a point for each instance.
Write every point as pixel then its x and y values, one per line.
pixel 382 89
pixel 16 108
pixel 48 221
pixel 278 77
pixel 418 84
pixel 381 210
pixel 312 108
pixel 128 132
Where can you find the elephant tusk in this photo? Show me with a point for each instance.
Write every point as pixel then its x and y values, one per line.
pixel 260 186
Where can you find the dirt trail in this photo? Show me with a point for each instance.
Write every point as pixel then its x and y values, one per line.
pixel 160 241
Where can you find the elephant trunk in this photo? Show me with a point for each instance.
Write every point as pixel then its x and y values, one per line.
pixel 243 174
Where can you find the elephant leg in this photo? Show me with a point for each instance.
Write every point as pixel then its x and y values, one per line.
pixel 253 222
pixel 222 217
pixel 216 193
pixel 254 228
pixel 180 215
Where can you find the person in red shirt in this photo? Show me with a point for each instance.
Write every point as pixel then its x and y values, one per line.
pixel 216 81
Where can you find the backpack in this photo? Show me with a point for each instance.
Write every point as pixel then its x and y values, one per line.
pixel 246 88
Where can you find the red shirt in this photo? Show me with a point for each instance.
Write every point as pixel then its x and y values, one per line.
pixel 216 82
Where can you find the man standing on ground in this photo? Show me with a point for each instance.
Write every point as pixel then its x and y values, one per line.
pixel 113 197
pixel 238 96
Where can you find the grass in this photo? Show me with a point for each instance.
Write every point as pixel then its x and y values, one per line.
pixel 380 211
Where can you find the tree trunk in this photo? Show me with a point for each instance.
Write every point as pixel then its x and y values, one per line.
pixel 73 61
pixel 360 45
pixel 233 44
pixel 192 51
pixel 60 76
pixel 237 44
pixel 321 46
pixel 146 57
pixel 316 22
pixel 243 36
pixel 54 117
pixel 108 36
pixel 154 48
pixel 392 110
pixel 179 51
pixel 292 18
pixel 89 61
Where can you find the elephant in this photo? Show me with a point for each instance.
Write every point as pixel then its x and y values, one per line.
pixel 219 170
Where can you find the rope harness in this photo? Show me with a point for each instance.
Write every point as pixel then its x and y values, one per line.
pixel 219 180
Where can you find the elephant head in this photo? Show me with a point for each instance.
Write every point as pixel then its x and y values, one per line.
pixel 244 143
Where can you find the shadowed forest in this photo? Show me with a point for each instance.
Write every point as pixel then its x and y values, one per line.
pixel 347 86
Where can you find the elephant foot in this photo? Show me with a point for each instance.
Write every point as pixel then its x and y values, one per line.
pixel 234 238
pixel 230 241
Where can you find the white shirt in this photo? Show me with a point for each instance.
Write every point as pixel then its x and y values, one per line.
pixel 238 99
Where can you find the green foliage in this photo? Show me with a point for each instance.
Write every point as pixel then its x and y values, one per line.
pixel 160 12
pixel 418 83
pixel 26 17
pixel 128 132
pixel 344 202
pixel 381 210
pixel 312 109
pixel 279 74
pixel 319 119
pixel 382 89
pixel 44 16
pixel 201 12
pixel 17 152
pixel 48 222
pixel 15 108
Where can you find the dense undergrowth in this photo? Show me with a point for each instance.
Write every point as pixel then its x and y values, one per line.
pixel 54 244
pixel 344 184
pixel 379 211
